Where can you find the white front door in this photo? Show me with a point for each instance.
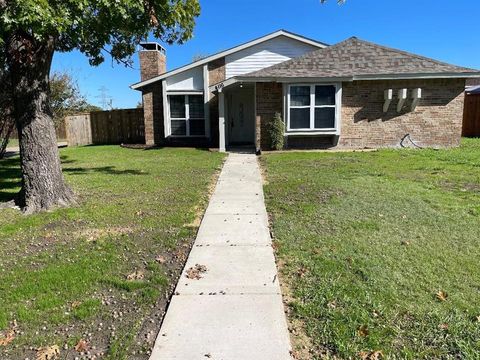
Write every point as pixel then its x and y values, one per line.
pixel 241 116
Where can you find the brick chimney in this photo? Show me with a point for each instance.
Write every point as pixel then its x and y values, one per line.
pixel 153 60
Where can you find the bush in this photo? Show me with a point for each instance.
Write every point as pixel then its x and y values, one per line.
pixel 276 129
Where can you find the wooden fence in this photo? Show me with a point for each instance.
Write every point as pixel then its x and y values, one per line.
pixel 60 130
pixel 471 116
pixel 106 127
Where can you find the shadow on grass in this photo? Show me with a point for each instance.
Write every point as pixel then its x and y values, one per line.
pixel 10 174
pixel 10 177
pixel 109 170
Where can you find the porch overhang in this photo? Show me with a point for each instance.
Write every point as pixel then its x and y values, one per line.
pixel 219 87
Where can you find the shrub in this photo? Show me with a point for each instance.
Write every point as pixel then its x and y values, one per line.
pixel 276 130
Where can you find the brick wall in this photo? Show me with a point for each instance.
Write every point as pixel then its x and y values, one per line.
pixel 152 63
pixel 216 74
pixel 436 122
pixel 269 98
pixel 153 113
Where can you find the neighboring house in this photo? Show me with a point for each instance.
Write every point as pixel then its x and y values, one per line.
pixel 354 94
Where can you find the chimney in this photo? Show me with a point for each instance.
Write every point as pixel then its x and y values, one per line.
pixel 153 60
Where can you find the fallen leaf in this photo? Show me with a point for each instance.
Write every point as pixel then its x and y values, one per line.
pixel 405 243
pixel 371 355
pixel 302 272
pixel 81 346
pixel 48 353
pixel 441 295
pixel 332 304
pixel 363 331
pixel 76 304
pixel 160 259
pixel 137 275
pixel 7 338
pixel 195 272
pixel 443 326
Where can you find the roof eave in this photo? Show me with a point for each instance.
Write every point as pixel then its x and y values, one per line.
pixel 139 85
pixel 446 75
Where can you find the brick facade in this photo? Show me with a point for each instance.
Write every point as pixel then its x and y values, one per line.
pixel 436 121
pixel 152 63
pixel 153 113
pixel 269 100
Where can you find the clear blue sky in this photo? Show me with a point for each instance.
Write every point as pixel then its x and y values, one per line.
pixel 441 29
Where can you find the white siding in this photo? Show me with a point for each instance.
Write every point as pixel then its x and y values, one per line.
pixel 266 54
pixel 188 80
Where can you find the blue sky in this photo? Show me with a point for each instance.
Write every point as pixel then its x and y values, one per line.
pixel 441 29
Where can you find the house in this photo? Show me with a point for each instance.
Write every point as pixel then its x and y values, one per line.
pixel 354 94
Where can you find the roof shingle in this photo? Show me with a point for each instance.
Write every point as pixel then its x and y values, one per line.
pixel 355 57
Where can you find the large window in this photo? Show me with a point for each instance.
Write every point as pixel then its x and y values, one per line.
pixel 312 107
pixel 187 115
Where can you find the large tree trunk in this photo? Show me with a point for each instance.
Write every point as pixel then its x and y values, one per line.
pixel 43 185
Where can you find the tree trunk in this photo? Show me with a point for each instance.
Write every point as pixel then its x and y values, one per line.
pixel 43 185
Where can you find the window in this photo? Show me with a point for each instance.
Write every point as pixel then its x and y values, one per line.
pixel 312 107
pixel 187 115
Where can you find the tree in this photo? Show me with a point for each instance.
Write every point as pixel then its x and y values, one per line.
pixel 65 98
pixel 31 31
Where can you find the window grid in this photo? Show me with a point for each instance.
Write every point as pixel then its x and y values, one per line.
pixel 186 118
pixel 312 107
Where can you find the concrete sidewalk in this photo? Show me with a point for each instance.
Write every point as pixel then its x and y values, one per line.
pixel 235 310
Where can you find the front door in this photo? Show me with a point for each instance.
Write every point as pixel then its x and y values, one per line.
pixel 241 116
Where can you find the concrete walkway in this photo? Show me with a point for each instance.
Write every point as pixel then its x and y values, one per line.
pixel 235 310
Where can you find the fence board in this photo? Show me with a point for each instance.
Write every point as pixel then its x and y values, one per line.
pixel 471 116
pixel 106 127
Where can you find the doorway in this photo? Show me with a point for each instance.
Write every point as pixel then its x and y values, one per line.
pixel 241 115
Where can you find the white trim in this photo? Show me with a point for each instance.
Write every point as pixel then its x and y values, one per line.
pixel 388 97
pixel 308 133
pixel 312 130
pixel 402 97
pixel 440 75
pixel 186 92
pixel 206 99
pixel 236 79
pixel 221 122
pixel 228 52
pixel 166 110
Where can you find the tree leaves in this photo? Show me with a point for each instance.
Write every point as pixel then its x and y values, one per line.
pixel 96 27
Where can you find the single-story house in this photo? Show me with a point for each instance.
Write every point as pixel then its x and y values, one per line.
pixel 355 94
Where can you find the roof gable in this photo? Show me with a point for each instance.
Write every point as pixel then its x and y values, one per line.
pixel 357 58
pixel 229 52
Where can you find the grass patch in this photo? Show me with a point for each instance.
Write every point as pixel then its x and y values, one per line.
pixel 65 273
pixel 369 242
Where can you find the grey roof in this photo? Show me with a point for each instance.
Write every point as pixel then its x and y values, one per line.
pixel 356 58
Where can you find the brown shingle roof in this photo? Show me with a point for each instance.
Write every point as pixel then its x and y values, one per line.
pixel 355 57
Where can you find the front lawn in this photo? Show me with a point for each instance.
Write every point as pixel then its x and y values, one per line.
pixel 100 271
pixel 380 251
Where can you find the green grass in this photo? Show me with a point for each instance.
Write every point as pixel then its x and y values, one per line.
pixel 366 240
pixel 70 266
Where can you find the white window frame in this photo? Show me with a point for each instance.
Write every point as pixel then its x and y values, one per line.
pixel 312 130
pixel 187 117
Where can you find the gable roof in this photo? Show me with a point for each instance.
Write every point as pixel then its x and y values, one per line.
pixel 230 51
pixel 359 59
